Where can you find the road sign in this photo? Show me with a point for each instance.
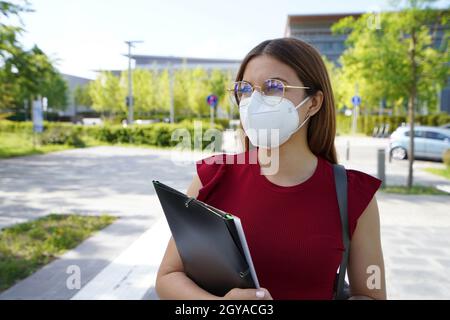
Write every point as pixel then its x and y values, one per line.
pixel 212 100
pixel 38 118
pixel 356 100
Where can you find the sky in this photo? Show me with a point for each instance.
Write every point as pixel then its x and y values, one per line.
pixel 87 35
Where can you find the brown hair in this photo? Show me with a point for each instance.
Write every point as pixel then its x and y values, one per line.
pixel 311 70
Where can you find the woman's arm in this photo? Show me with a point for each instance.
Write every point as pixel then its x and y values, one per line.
pixel 366 265
pixel 172 283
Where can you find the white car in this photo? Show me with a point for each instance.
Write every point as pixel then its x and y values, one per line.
pixel 429 142
pixel 91 121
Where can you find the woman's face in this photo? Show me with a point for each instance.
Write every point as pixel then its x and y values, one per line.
pixel 264 67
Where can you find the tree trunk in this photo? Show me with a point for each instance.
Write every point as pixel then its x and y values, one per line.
pixel 411 137
pixel 411 107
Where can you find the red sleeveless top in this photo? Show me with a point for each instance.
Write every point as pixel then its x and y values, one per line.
pixel 293 233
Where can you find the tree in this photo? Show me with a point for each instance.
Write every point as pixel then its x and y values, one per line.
pixel 31 74
pixel 9 47
pixel 8 8
pixel 400 60
pixel 198 92
pixel 25 74
pixel 218 82
pixel 56 91
pixel 162 96
pixel 144 90
pixel 339 82
pixel 181 89
pixel 81 96
pixel 108 94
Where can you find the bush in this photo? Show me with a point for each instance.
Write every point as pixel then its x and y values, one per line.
pixel 446 158
pixel 59 135
pixel 367 123
pixel 13 126
pixel 158 134
pixel 225 123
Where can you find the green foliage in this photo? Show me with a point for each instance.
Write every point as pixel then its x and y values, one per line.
pixel 378 58
pixel 414 190
pixel 10 8
pixel 17 144
pixel 151 90
pixel 81 96
pixel 55 89
pixel 108 94
pixel 25 74
pixel 144 90
pixel 158 134
pixel 62 135
pixel 440 172
pixel 446 158
pixel 367 123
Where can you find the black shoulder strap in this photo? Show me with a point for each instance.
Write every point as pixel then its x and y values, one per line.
pixel 340 177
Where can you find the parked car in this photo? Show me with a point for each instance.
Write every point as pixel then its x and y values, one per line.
pixel 429 142
pixel 445 126
pixel 90 121
pixel 152 121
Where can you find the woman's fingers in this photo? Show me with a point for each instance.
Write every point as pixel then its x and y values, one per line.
pixel 248 294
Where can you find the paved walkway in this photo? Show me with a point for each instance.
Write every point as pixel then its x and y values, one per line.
pixel 121 261
pixel 363 157
pixel 111 180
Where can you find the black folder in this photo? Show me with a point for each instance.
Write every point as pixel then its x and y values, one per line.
pixel 211 243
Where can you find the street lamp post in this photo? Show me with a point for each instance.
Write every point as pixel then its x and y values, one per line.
pixel 172 98
pixel 130 83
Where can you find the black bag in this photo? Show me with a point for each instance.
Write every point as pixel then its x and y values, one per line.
pixel 341 287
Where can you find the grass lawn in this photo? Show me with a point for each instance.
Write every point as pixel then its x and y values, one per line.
pixel 440 172
pixel 21 144
pixel 415 190
pixel 26 247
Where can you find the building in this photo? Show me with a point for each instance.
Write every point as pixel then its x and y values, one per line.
pixel 161 62
pixel 316 30
pixel 72 83
pixel 158 63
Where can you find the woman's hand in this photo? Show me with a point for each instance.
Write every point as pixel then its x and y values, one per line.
pixel 248 294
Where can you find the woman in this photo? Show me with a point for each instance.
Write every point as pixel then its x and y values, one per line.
pixel 286 199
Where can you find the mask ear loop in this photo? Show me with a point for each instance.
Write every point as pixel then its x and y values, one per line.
pixel 303 102
pixel 307 117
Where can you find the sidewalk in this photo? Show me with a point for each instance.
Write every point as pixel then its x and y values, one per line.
pixel 92 256
pixel 415 233
pixel 112 180
pixel 363 157
pixel 121 261
pixel 416 246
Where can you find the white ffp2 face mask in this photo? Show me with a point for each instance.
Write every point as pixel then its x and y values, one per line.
pixel 270 126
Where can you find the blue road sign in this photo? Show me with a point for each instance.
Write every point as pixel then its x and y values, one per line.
pixel 356 100
pixel 212 100
pixel 38 118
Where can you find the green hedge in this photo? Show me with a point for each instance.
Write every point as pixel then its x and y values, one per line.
pixel 159 134
pixel 446 158
pixel 54 132
pixel 367 124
